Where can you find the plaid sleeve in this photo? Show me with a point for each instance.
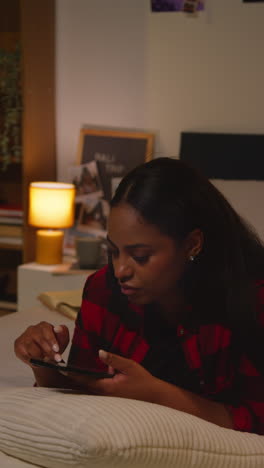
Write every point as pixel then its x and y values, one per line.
pixel 248 415
pixel 88 333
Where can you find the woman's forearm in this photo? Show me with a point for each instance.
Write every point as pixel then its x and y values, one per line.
pixel 175 397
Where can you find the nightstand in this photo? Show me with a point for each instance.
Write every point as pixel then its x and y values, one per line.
pixel 34 278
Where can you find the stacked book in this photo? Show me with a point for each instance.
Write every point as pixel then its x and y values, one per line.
pixel 11 224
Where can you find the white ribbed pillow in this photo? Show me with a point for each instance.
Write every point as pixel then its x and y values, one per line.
pixel 59 429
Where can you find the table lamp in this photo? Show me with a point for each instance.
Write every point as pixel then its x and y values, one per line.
pixel 51 206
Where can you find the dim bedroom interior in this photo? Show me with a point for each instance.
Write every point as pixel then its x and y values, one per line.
pixel 205 101
pixel 55 428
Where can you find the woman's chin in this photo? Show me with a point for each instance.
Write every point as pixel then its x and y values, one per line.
pixel 143 300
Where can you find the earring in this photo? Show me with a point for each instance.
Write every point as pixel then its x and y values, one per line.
pixel 191 258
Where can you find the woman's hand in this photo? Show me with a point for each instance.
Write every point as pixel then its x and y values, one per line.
pixel 42 341
pixel 130 381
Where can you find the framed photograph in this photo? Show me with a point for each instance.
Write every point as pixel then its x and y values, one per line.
pixel 93 216
pixel 86 180
pixel 115 153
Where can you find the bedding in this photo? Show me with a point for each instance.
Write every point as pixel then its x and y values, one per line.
pixel 10 462
pixel 56 428
pixel 15 374
pixel 59 429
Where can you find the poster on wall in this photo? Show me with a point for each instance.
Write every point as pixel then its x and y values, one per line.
pixel 115 153
pixel 104 156
pixel 188 6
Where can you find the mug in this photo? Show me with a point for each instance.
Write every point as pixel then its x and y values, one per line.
pixel 88 250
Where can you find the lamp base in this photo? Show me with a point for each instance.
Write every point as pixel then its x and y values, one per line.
pixel 49 247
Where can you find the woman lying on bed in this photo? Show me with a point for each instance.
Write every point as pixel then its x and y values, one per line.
pixel 178 313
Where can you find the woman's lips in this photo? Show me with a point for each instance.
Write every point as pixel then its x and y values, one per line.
pixel 128 290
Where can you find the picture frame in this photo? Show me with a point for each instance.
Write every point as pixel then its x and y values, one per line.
pixel 187 6
pixel 116 152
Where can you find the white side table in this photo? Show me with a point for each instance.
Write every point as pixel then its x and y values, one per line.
pixel 34 278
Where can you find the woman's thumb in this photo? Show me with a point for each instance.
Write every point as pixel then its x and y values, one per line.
pixel 117 362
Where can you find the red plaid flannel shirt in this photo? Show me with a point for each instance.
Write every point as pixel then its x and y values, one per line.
pixel 205 352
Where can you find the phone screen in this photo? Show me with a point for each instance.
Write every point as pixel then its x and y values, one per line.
pixel 76 370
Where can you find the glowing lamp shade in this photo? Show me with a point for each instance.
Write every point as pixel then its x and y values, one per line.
pixel 51 206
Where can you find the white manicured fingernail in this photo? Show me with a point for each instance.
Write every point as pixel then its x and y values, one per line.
pixel 55 348
pixel 58 358
pixel 103 354
pixel 58 329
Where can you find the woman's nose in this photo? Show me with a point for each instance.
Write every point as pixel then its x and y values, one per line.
pixel 122 269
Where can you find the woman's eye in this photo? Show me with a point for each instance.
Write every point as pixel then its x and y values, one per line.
pixel 142 259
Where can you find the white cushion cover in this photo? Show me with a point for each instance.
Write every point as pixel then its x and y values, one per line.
pixel 59 428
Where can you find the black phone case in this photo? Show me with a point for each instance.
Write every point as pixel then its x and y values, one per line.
pixel 75 370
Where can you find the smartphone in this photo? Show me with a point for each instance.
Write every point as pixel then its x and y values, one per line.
pixel 63 367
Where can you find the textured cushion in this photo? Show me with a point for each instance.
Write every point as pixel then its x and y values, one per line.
pixel 7 461
pixel 58 429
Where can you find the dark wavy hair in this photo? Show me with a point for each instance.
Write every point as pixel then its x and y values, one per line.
pixel 177 199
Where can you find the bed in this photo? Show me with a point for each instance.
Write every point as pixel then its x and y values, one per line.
pixel 54 428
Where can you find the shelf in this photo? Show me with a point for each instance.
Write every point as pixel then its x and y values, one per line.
pixel 15 243
pixel 19 21
pixel 8 305
pixel 7 246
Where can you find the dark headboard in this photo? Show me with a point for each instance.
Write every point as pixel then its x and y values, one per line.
pixel 224 155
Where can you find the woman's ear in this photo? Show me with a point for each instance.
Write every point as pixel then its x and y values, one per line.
pixel 194 243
